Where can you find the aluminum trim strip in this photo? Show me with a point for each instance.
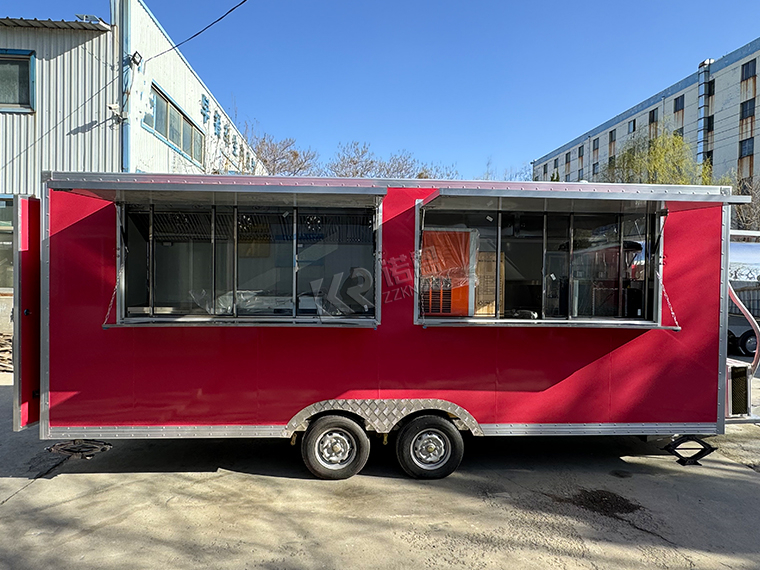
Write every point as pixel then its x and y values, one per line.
pixel 723 334
pixel 45 316
pixel 600 429
pixel 166 432
pixel 573 323
pixel 16 356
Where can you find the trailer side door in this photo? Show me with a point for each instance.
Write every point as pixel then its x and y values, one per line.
pixel 26 312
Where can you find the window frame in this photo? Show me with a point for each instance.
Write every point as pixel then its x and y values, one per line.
pixel 654 116
pixel 652 300
pixel 166 317
pixel 631 126
pixel 679 103
pixel 156 92
pixel 30 57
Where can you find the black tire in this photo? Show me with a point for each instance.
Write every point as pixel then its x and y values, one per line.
pixel 429 447
pixel 335 447
pixel 748 343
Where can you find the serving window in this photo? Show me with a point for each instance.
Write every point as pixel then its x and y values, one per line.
pixel 539 262
pixel 249 264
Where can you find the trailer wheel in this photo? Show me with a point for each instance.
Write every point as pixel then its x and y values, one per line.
pixel 335 447
pixel 748 343
pixel 429 447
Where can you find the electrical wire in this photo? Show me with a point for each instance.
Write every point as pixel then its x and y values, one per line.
pixel 198 33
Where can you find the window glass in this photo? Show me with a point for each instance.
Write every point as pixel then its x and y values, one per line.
pixel 595 144
pixel 175 125
pixel 596 266
pixel 187 137
pixel 14 81
pixel 198 142
pixel 265 263
pixel 148 117
pixel 557 265
pixel 635 266
pixel 522 250
pixel 224 260
pixel 161 111
pixel 746 147
pixel 335 263
pixel 458 264
pixel 183 268
pixel 6 244
pixel 137 262
pixel 550 265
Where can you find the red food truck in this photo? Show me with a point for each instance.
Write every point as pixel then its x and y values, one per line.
pixel 171 306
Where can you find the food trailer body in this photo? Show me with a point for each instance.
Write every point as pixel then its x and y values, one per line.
pixel 203 306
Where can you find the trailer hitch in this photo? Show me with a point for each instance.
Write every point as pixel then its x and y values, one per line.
pixel 703 450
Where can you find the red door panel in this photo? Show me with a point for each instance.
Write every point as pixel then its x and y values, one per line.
pixel 26 312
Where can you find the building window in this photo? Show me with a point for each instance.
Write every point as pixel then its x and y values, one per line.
pixel 611 162
pixel 167 120
pixel 613 135
pixel 16 81
pixel 580 151
pixel 238 263
pixel 708 156
pixel 595 168
pixel 567 178
pixel 567 158
pixel 595 144
pixel 678 132
pixel 653 115
pixel 747 109
pixel 710 123
pixel 580 174
pixel 556 163
pixel 746 147
pixel 678 104
pixel 549 265
pixel 749 69
pixel 710 88
pixel 546 169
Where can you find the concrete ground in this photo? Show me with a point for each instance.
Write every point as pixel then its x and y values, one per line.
pixel 613 502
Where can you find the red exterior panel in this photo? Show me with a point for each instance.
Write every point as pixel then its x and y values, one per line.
pixel 27 313
pixel 248 375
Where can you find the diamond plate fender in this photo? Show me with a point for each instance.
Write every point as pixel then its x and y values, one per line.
pixel 382 415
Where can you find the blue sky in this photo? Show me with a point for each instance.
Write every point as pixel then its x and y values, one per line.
pixel 452 82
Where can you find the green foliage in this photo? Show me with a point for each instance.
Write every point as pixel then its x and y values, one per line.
pixel 665 159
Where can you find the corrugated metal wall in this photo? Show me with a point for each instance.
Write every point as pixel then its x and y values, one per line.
pixel 72 129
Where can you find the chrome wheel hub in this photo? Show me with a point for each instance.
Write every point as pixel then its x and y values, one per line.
pixel 335 448
pixel 430 449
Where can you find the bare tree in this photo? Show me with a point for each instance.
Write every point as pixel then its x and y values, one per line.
pixel 746 216
pixel 357 160
pixel 353 160
pixel 281 157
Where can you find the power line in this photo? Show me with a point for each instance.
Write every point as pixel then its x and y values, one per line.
pixel 199 33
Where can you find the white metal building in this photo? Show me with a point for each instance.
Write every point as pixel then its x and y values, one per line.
pixel 87 96
pixel 713 108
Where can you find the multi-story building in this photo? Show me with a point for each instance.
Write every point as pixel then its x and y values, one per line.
pixel 86 96
pixel 713 109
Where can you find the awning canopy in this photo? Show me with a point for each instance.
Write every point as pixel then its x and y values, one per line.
pixel 221 190
pixel 358 192
pixel 592 191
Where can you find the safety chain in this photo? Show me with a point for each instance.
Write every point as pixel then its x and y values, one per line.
pixel 667 299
